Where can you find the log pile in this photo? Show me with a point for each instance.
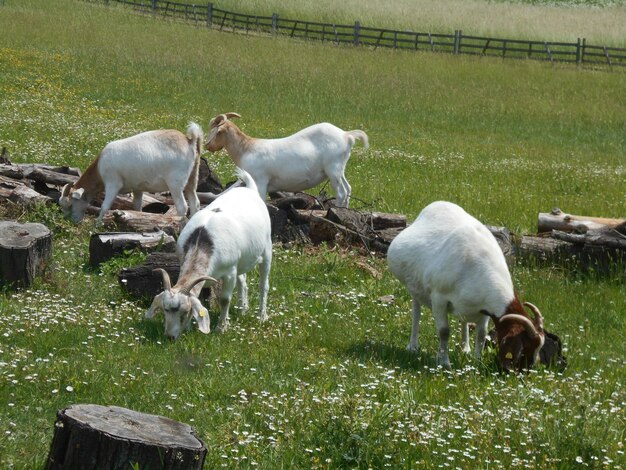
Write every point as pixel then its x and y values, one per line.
pixel 563 239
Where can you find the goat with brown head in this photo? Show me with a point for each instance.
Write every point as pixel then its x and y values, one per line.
pixel 519 337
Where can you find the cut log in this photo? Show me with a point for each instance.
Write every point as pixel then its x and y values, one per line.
pixel 66 170
pixel 505 241
pixel 303 216
pixel 25 250
pixel 104 246
pixel 110 437
pixel 133 221
pixel 299 201
pixel 48 176
pixel 278 220
pixel 11 171
pixel 558 220
pixel 140 281
pixel 546 250
pixel 383 220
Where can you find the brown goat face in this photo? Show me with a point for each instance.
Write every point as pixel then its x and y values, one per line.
pixel 518 352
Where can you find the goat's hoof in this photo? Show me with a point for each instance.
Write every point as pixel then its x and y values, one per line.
pixel 221 328
pixel 414 348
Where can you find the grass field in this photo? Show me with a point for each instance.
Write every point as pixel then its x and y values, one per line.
pixel 326 382
pixel 601 22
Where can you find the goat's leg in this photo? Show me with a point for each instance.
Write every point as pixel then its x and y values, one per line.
pixel 179 201
pixel 440 312
pixel 347 188
pixel 137 200
pixel 228 285
pixel 264 284
pixel 340 192
pixel 191 187
pixel 242 293
pixel 465 346
pixel 110 192
pixel 415 328
pixel 481 334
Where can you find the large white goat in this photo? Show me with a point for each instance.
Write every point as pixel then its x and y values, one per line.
pixel 223 242
pixel 295 163
pixel 162 160
pixel 451 262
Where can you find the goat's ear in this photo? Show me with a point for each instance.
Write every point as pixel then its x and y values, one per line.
pixel 217 121
pixel 201 315
pixel 157 303
pixel 78 193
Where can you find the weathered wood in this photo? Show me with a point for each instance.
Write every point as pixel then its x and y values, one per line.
pixel 19 192
pixel 133 221
pixel 25 250
pixel 141 281
pixel 303 216
pixel 383 220
pixel 11 171
pixel 103 246
pixel 545 250
pixel 604 238
pixel 299 201
pixel 109 437
pixel 505 240
pixel 559 220
pixel 48 176
pixel 66 170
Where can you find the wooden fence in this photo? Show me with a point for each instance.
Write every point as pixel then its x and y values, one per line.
pixel 579 52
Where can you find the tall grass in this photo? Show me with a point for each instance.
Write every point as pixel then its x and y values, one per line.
pixel 326 382
pixel 601 22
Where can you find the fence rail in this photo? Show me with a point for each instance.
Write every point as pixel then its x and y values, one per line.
pixel 579 52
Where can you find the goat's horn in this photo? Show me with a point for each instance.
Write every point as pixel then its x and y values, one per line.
pixel 535 310
pixel 528 325
pixel 232 115
pixel 187 289
pixel 167 284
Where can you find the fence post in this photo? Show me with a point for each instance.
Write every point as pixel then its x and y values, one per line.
pixel 578 51
pixel 154 4
pixel 209 15
pixel 274 23
pixel 582 51
pixel 357 33
pixel 458 46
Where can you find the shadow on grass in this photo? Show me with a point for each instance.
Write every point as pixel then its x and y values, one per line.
pixel 393 356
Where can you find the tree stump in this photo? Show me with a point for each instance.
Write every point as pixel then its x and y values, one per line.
pixel 24 251
pixel 110 437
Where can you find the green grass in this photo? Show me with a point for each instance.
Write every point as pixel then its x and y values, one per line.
pixel 601 22
pixel 326 382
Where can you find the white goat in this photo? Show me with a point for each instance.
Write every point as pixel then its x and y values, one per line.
pixel 163 160
pixel 295 163
pixel 451 262
pixel 223 242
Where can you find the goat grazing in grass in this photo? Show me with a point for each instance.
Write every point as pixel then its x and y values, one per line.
pixel 450 262
pixel 223 242
pixel 163 160
pixel 295 163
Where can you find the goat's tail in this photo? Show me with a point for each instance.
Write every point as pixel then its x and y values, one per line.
pixel 194 134
pixel 360 135
pixel 244 176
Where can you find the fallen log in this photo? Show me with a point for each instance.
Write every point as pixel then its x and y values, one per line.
pixel 559 220
pixel 104 246
pixel 25 250
pixel 142 282
pixel 94 436
pixel 134 221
